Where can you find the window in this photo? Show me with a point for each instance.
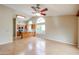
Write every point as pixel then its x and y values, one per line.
pixel 40 28
pixel 40 20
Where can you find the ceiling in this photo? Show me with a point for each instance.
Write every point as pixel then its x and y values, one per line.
pixel 53 9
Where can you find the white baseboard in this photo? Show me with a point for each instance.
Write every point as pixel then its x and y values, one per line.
pixel 60 41
pixel 2 43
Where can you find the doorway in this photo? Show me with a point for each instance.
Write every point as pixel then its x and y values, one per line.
pixel 18 23
pixel 40 27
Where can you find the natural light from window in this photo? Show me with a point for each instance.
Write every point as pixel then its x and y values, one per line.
pixel 40 20
pixel 40 28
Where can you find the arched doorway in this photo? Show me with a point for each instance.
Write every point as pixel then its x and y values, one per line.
pixel 40 26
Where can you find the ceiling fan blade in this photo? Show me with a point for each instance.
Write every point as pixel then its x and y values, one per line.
pixel 33 8
pixel 45 9
pixel 43 14
pixel 38 6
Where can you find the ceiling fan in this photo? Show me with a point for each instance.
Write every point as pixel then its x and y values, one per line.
pixel 37 9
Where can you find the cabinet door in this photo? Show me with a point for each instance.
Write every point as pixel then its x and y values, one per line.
pixel 33 26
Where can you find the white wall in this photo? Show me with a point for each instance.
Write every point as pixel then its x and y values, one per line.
pixel 62 28
pixel 6 24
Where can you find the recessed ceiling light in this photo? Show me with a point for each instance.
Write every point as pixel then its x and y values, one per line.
pixel 20 17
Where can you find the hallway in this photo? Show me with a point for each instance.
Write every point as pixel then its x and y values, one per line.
pixel 37 46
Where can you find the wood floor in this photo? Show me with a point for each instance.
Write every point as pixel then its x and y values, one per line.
pixel 37 46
